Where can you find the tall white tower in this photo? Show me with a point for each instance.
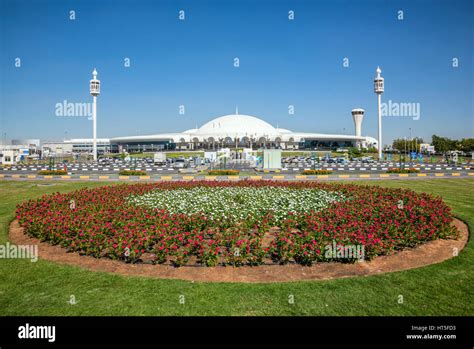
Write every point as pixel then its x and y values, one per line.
pixel 358 116
pixel 95 91
pixel 378 89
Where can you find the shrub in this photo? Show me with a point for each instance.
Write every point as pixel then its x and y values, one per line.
pixel 52 172
pixel 403 170
pixel 315 172
pixel 354 151
pixel 132 173
pixel 223 172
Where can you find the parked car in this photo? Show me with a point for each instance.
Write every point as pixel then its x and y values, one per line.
pixel 180 163
pixel 368 160
pixel 341 160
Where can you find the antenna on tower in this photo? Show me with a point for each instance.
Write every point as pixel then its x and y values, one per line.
pixel 236 110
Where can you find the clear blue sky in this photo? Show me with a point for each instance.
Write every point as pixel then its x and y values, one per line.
pixel 190 62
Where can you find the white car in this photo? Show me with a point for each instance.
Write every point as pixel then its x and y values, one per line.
pixel 179 163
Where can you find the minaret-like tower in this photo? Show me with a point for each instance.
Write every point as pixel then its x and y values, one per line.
pixel 358 116
pixel 378 89
pixel 95 91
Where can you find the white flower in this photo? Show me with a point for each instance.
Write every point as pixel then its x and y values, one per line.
pixel 235 203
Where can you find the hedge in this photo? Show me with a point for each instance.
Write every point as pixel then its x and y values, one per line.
pixel 52 172
pixel 315 172
pixel 403 170
pixel 223 172
pixel 132 173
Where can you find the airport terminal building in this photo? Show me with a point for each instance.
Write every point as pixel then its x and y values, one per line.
pixel 237 131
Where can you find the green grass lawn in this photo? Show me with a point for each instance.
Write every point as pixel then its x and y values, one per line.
pixel 45 288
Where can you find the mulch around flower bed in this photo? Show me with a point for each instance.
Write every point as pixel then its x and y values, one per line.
pixel 428 253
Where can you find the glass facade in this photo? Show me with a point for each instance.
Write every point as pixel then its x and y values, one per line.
pixel 326 144
pixel 150 146
pixel 137 147
pixel 88 147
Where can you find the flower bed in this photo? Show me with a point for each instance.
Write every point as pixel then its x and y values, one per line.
pixel 52 172
pixel 132 173
pixel 130 222
pixel 315 172
pixel 223 172
pixel 403 170
pixel 232 205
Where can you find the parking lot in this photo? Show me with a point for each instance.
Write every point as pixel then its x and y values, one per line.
pixel 363 165
pixel 289 165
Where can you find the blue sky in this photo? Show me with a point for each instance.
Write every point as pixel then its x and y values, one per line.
pixel 190 63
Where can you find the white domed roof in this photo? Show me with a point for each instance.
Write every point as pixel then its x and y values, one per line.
pixel 237 124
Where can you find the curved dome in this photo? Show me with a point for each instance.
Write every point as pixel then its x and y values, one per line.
pixel 237 124
pixel 283 130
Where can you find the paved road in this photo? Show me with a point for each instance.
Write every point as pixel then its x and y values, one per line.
pixel 267 176
pixel 111 169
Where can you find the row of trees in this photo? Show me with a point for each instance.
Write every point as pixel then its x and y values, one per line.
pixel 403 145
pixel 441 144
pixel 444 144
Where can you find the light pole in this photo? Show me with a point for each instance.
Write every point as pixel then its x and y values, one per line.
pixel 379 89
pixel 409 145
pixel 95 91
pixel 405 155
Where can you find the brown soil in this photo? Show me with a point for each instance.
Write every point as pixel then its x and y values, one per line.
pixel 429 253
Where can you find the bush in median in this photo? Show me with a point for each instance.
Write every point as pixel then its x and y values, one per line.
pixel 132 173
pixel 316 172
pixel 403 170
pixel 223 172
pixel 52 172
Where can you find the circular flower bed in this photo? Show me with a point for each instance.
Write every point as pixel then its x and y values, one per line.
pixel 237 223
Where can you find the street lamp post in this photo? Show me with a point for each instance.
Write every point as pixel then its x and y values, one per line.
pixel 409 146
pixel 379 89
pixel 95 91
pixel 405 155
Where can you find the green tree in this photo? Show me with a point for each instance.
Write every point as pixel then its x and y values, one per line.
pixel 354 152
pixel 401 144
pixel 466 145
pixel 443 144
pixel 372 150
